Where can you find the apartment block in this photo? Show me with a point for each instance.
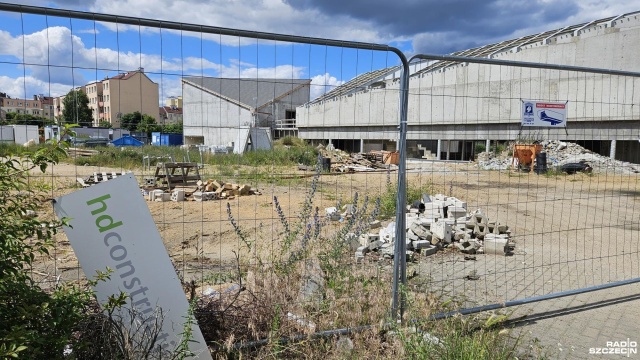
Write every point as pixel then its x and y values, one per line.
pixel 113 97
pixel 39 105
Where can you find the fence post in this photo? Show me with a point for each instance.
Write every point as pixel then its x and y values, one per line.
pixel 400 251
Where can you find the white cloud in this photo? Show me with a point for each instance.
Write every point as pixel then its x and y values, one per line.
pixel 15 87
pixel 321 84
pixel 258 15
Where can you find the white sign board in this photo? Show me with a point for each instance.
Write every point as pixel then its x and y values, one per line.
pixel 112 227
pixel 544 114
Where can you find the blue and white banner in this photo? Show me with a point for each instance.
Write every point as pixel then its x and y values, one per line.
pixel 544 114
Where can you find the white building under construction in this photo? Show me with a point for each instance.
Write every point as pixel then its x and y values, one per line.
pixel 454 106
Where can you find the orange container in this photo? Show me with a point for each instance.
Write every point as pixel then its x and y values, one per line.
pixel 526 153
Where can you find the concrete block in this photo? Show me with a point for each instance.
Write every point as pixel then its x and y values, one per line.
pixel 155 193
pixel 429 251
pixel 426 198
pixel 150 181
pixel 163 197
pixel 481 230
pixel 498 246
pixel 205 196
pixel 421 244
pixel 332 213
pixel 373 237
pixel 362 249
pixel 374 224
pixel 479 217
pixel 425 222
pixel 375 245
pixel 363 240
pixel 419 230
pixel 388 233
pixel 442 231
pixel 460 235
pixel 412 236
pixel 460 204
pixel 456 212
pixel 177 195
pixel 387 250
pixel 348 210
pixel 440 197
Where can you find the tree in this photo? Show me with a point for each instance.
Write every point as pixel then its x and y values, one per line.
pixel 130 121
pixel 105 124
pixel 173 128
pixel 148 125
pixel 76 109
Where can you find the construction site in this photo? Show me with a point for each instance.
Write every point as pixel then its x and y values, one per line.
pixel 418 206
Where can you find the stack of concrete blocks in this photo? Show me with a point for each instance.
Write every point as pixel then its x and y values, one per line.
pixel 223 190
pixel 444 223
pixel 204 195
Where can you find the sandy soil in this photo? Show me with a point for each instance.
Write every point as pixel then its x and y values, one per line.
pixel 540 210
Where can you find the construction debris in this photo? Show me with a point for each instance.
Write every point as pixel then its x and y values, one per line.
pixel 98 177
pixel 440 223
pixel 560 153
pixel 205 191
pixel 343 162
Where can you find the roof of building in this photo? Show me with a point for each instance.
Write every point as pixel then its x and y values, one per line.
pixel 252 93
pixel 356 84
pixel 171 109
pixel 129 74
pixel 363 81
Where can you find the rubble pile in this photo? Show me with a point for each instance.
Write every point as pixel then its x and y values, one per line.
pixel 434 224
pixel 560 153
pixel 342 161
pixel 206 190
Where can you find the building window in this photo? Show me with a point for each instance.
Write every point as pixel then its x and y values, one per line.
pixel 290 114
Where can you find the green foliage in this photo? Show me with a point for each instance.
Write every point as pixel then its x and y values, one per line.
pixel 479 148
pixel 390 195
pixel 35 323
pixel 173 128
pixel 105 124
pixel 76 109
pixel 26 119
pixel 130 121
pixel 148 125
pixel 290 141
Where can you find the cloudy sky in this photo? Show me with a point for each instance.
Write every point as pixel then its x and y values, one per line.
pixel 49 55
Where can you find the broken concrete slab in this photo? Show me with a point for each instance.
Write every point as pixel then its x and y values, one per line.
pixel 441 230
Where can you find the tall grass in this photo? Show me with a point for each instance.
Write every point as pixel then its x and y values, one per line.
pixel 131 157
pixel 307 248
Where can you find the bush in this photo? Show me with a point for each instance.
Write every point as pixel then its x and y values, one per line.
pixel 35 322
pixel 390 195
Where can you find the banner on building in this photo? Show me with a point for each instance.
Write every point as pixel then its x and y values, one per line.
pixel 111 226
pixel 544 114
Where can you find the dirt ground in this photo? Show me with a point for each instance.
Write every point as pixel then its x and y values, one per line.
pixel 555 220
pixel 571 231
